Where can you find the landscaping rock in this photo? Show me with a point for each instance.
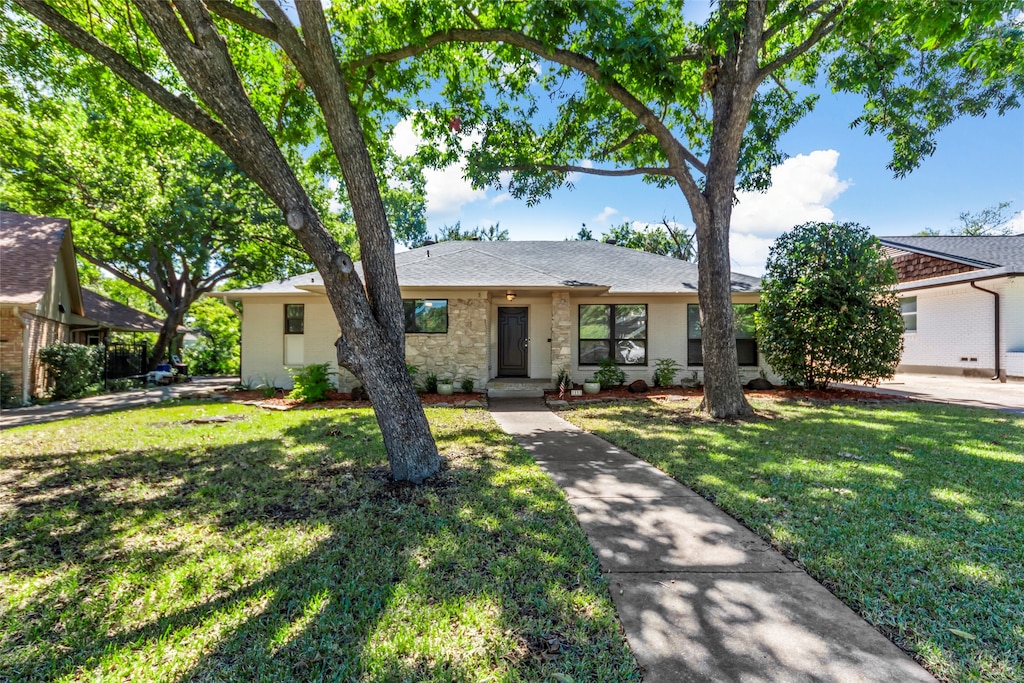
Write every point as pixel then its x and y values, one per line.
pixel 474 404
pixel 638 387
pixel 759 384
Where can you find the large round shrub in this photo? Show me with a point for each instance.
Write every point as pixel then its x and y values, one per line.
pixel 828 310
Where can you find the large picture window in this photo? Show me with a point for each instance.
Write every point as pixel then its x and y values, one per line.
pixel 294 318
pixel 616 331
pixel 745 332
pixel 908 307
pixel 425 316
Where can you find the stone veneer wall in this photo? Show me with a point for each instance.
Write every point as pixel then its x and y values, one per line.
pixel 461 353
pixel 561 333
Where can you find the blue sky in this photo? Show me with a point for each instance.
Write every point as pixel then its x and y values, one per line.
pixel 833 173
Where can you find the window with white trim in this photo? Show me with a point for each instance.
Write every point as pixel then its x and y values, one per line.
pixel 908 307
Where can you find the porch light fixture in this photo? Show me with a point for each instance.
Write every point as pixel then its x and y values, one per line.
pixel 510 295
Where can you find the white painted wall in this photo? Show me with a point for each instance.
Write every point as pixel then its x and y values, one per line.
pixel 263 337
pixel 957 322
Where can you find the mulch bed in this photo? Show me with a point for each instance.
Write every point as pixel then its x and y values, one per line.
pixel 338 399
pixel 834 394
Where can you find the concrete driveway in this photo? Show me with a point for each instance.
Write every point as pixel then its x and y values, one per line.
pixel 975 392
pixel 199 387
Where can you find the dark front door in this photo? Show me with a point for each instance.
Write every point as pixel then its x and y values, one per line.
pixel 513 350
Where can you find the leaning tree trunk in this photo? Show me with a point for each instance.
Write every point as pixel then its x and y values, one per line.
pixel 412 453
pixel 166 336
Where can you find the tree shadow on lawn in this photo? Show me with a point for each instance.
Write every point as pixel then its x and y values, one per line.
pixel 290 554
pixel 913 513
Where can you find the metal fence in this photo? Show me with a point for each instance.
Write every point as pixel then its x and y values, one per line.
pixel 123 359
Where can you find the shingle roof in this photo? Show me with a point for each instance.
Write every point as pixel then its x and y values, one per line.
pixel 984 251
pixel 533 264
pixel 114 315
pixel 28 252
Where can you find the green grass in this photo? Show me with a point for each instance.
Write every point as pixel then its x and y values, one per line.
pixel 913 514
pixel 137 546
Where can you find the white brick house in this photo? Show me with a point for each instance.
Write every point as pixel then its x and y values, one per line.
pixel 953 291
pixel 508 310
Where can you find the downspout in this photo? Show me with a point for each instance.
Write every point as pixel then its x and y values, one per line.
pixel 998 340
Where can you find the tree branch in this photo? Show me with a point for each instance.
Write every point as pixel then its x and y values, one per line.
pixel 179 106
pixel 120 274
pixel 784 24
pixel 824 27
pixel 569 168
pixel 244 18
pixel 679 155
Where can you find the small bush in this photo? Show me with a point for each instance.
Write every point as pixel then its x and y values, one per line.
pixel 120 384
pixel 312 383
pixel 564 380
pixel 72 368
pixel 665 370
pixel 610 375
pixel 467 385
pixel 8 395
pixel 430 383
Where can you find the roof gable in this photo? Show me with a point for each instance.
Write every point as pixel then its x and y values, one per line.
pixel 980 251
pixel 29 247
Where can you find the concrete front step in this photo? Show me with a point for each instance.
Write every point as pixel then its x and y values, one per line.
pixel 518 388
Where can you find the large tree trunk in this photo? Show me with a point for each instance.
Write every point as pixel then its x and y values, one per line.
pixel 166 337
pixel 412 453
pixel 734 82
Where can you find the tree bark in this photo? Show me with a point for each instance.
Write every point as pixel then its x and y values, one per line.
pixel 372 339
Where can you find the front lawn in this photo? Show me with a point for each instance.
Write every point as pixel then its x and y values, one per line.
pixel 150 546
pixel 913 514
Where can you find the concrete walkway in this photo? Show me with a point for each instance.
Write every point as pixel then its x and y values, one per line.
pixel 975 392
pixel 199 387
pixel 700 596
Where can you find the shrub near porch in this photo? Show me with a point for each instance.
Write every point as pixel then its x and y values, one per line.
pixel 224 542
pixel 911 513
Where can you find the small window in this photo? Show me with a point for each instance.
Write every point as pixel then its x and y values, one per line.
pixel 616 331
pixel 294 318
pixel 908 307
pixel 426 316
pixel 745 332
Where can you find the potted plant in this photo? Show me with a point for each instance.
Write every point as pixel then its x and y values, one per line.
pixel 591 385
pixel 445 385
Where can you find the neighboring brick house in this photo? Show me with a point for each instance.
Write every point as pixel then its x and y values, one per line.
pixel 41 301
pixel 507 311
pixel 963 303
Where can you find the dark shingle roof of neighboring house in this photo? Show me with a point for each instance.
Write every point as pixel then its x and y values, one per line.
pixel 982 251
pixel 116 316
pixel 29 246
pixel 567 264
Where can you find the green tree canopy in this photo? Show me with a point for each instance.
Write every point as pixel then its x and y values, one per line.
pixel 828 310
pixel 639 90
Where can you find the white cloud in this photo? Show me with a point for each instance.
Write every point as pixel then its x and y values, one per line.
pixel 802 188
pixel 605 215
pixel 501 198
pixel 1016 223
pixel 749 252
pixel 447 189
